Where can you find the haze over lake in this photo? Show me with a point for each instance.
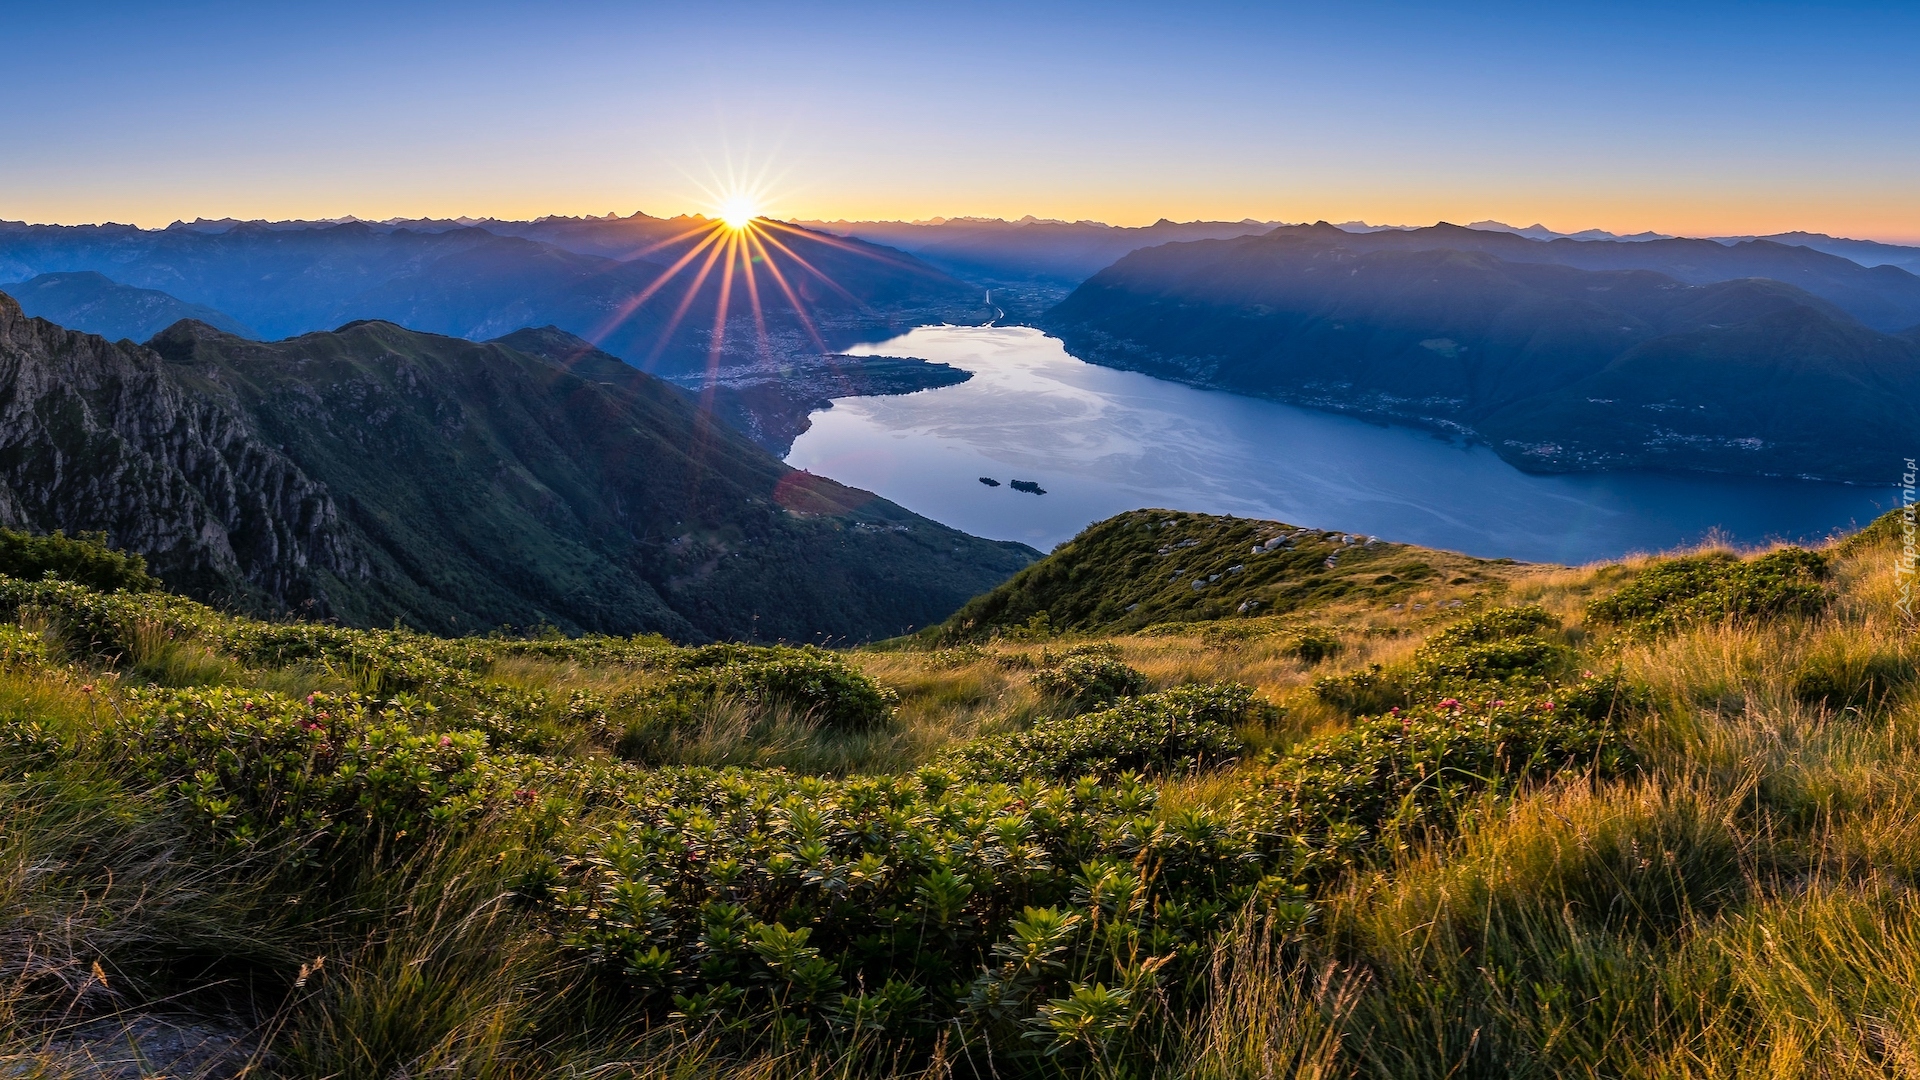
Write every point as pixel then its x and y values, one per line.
pixel 1101 441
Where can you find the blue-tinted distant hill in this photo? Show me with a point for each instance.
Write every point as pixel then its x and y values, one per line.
pixel 1865 252
pixel 1063 252
pixel 94 303
pixel 1558 367
pixel 1886 298
pixel 599 278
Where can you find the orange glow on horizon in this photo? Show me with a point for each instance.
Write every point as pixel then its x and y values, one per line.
pixel 1887 216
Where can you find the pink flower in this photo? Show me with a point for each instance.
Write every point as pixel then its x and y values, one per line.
pixel 1546 706
pixel 446 740
pixel 1395 711
pixel 1450 703
pixel 86 688
pixel 1497 703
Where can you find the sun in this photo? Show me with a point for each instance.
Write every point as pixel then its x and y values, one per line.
pixel 738 211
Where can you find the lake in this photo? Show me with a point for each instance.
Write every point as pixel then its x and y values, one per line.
pixel 1100 441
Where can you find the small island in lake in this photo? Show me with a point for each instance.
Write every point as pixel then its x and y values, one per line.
pixel 1029 486
pixel 989 481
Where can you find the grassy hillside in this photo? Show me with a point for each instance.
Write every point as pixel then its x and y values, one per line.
pixel 1645 819
pixel 1149 567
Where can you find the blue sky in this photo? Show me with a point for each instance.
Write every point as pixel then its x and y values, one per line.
pixel 1695 118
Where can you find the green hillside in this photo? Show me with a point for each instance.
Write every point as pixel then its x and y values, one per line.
pixel 1148 567
pixel 374 475
pixel 1650 819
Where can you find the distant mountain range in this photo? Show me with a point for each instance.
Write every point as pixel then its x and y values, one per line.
pixel 1156 298
pixel 1067 252
pixel 94 303
pixel 377 474
pixel 627 284
pixel 1564 355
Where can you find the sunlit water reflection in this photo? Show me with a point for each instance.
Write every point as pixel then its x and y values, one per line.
pixel 1101 441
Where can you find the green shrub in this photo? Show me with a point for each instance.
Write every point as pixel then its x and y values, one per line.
pixel 84 560
pixel 1313 644
pixel 252 767
pixel 1497 648
pixel 908 906
pixel 810 681
pixel 1417 767
pixel 1177 731
pixel 1088 678
pixel 1718 585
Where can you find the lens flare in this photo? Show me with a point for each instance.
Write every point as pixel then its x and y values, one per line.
pixel 738 211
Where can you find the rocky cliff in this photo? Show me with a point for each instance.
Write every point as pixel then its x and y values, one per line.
pixel 100 436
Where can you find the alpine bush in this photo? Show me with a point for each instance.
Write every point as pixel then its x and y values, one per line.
pixel 1182 730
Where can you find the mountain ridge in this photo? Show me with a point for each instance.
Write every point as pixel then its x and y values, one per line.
pixel 454 485
pixel 93 303
pixel 646 289
pixel 1463 340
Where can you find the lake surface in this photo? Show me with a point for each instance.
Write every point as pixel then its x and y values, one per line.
pixel 1101 441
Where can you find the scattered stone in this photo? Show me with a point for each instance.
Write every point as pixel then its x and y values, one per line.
pixel 150 1045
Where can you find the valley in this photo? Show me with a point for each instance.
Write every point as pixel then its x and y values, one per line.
pixel 849 541
pixel 376 475
pixel 1102 441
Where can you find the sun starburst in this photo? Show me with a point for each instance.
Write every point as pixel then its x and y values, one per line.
pixel 738 211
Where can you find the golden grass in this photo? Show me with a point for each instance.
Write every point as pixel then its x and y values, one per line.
pixel 1745 906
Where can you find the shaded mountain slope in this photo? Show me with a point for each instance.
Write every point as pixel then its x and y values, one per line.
pixel 770 406
pixel 1067 252
pixel 1746 375
pixel 376 474
pixel 96 435
pixel 1884 297
pixel 96 304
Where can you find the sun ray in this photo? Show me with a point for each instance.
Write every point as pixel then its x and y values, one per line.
pixel 862 250
pixel 736 226
pixel 641 253
pixel 631 304
pixel 799 309
pixel 717 342
pixel 753 293
pixel 680 312
pixel 795 256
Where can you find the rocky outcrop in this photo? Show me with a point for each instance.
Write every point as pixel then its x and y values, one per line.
pixel 101 436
